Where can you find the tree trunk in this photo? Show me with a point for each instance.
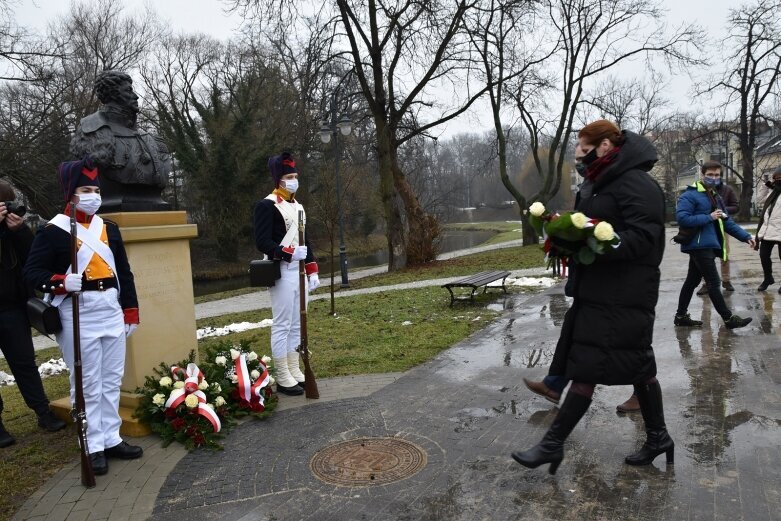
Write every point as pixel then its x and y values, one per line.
pixel 423 229
pixel 394 226
pixel 746 188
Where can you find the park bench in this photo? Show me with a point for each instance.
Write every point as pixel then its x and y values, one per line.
pixel 475 282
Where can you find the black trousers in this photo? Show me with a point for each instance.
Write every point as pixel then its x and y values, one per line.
pixel 765 251
pixel 702 265
pixel 17 346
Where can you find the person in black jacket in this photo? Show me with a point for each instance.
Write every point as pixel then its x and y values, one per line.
pixel 15 340
pixel 607 333
pixel 276 234
pixel 108 305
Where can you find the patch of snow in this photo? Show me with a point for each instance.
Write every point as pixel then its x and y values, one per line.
pixel 232 328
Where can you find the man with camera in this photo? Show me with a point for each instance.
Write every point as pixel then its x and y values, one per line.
pixel 702 211
pixel 15 340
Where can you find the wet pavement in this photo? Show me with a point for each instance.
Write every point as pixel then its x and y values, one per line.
pixel 467 410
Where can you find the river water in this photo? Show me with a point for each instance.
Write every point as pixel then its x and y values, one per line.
pixel 452 240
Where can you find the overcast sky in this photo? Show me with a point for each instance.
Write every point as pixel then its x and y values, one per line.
pixel 209 16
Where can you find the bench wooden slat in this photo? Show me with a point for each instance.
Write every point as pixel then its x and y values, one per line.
pixel 475 281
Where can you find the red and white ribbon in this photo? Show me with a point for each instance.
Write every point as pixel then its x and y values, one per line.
pixel 250 391
pixel 193 376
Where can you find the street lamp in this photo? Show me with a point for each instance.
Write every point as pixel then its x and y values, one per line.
pixel 328 128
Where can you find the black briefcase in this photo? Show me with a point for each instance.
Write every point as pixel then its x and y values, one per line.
pixel 43 316
pixel 263 273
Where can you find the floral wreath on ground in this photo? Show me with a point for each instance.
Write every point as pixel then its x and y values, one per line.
pixel 572 234
pixel 180 404
pixel 245 378
pixel 197 405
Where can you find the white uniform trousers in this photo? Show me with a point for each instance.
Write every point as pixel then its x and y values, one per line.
pixel 102 328
pixel 286 311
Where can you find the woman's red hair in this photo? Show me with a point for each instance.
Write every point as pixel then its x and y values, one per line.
pixel 601 129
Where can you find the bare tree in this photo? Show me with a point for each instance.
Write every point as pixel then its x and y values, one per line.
pixel 752 64
pixel 587 38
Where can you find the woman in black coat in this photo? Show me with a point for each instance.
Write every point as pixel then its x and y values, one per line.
pixel 607 333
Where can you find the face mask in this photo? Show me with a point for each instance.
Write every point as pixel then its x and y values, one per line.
pixel 89 203
pixel 590 157
pixel 777 184
pixel 291 185
pixel 580 168
pixel 711 182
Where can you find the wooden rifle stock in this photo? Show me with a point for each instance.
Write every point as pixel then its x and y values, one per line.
pixel 310 385
pixel 80 409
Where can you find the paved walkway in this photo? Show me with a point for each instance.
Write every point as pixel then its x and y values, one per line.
pixel 467 410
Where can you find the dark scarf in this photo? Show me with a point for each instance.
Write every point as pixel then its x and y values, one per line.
pixel 600 164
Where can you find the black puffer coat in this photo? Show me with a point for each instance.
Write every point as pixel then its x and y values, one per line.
pixel 607 333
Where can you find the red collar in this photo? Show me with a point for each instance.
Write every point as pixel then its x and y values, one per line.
pixel 81 217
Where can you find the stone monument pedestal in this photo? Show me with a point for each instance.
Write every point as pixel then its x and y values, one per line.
pixel 158 249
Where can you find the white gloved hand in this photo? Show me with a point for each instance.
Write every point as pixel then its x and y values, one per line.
pixel 72 282
pixel 298 254
pixel 314 282
pixel 129 328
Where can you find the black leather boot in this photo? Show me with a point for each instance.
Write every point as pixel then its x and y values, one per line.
pixel 551 448
pixel 5 437
pixel 657 439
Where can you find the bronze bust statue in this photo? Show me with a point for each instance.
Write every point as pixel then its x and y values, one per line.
pixel 133 163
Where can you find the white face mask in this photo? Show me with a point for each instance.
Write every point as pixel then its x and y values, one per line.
pixel 89 203
pixel 291 185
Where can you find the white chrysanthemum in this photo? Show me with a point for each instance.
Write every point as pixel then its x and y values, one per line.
pixel 235 354
pixel 252 356
pixel 191 401
pixel 537 209
pixel 221 360
pixel 254 374
pixel 219 401
pixel 604 231
pixel 266 359
pixel 158 399
pixel 203 385
pixel 165 382
pixel 178 385
pixel 579 220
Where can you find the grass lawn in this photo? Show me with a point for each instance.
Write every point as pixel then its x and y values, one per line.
pixel 374 333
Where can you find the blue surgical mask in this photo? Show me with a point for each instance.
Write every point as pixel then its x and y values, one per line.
pixel 710 182
pixel 291 185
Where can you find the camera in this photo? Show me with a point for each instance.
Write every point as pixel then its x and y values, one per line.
pixel 15 208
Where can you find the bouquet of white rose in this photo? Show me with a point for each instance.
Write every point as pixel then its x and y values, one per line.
pixel 572 234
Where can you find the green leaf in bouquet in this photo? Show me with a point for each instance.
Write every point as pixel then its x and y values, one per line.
pixel 537 223
pixel 595 245
pixel 563 228
pixel 585 255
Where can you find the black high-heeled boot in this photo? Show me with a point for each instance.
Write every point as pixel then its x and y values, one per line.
pixel 551 448
pixel 657 439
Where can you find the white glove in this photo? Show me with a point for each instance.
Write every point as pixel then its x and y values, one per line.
pixel 72 282
pixel 129 328
pixel 298 254
pixel 314 282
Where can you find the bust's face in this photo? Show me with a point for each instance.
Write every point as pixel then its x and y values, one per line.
pixel 127 97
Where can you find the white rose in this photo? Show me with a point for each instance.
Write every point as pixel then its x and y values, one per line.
pixel 221 360
pixel 271 380
pixel 178 385
pixel 604 231
pixel 537 209
pixel 216 388
pixel 191 401
pixel 219 401
pixel 579 220
pixel 254 374
pixel 234 378
pixel 165 382
pixel 266 359
pixel 203 385
pixel 158 399
pixel 252 356
pixel 235 354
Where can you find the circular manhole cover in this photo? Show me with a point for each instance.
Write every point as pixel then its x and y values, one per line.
pixel 368 461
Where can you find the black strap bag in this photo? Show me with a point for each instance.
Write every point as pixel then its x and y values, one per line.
pixel 263 273
pixel 43 316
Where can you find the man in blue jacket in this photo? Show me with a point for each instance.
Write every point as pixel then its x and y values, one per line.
pixel 701 210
